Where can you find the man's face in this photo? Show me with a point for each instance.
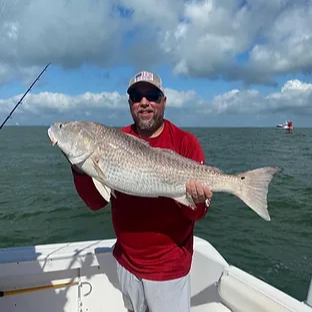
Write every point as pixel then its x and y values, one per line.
pixel 147 106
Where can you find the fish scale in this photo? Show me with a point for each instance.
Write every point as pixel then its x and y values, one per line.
pixel 117 161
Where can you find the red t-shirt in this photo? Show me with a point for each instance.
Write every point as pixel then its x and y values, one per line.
pixel 154 235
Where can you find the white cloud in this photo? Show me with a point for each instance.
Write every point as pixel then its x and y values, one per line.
pixel 295 96
pixel 60 103
pixel 288 40
pixel 49 106
pixel 185 106
pixel 64 32
pixel 235 102
pixel 154 13
pixel 198 38
pixel 180 99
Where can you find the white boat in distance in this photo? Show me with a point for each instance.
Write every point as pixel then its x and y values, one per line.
pixel 81 276
pixel 288 125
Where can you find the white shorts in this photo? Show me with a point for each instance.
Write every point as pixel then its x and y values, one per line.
pixel 140 294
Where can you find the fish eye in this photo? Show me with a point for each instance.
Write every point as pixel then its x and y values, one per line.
pixel 60 126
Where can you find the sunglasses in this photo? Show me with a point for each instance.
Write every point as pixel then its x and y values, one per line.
pixel 150 96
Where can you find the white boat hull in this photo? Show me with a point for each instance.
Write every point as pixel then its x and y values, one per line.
pixel 285 126
pixel 89 268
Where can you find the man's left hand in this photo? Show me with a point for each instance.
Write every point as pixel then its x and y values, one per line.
pixel 198 191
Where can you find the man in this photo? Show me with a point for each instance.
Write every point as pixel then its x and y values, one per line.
pixel 154 244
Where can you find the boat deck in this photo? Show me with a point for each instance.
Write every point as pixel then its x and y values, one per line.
pixel 81 276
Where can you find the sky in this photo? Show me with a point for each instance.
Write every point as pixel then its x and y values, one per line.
pixel 227 63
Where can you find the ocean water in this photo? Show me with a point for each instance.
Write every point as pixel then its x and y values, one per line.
pixel 39 204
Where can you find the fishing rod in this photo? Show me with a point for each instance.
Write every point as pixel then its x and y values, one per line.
pixel 20 101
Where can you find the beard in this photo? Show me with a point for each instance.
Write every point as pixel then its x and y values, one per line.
pixel 150 124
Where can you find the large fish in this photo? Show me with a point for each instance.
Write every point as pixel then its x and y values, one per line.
pixel 119 161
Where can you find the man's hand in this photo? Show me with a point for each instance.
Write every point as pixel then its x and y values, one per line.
pixel 198 192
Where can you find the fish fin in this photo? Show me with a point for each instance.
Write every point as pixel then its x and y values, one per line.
pixel 174 153
pixel 103 189
pixel 167 150
pixel 171 152
pixel 214 169
pixel 98 169
pixel 186 200
pixel 138 139
pixel 113 193
pixel 253 189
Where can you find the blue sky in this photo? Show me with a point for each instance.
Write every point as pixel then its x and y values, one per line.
pixel 223 63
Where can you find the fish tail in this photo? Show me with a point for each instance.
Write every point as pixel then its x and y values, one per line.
pixel 253 189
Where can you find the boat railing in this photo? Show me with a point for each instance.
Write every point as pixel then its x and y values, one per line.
pixel 309 296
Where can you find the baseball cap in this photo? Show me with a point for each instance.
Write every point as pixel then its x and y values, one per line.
pixel 148 77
